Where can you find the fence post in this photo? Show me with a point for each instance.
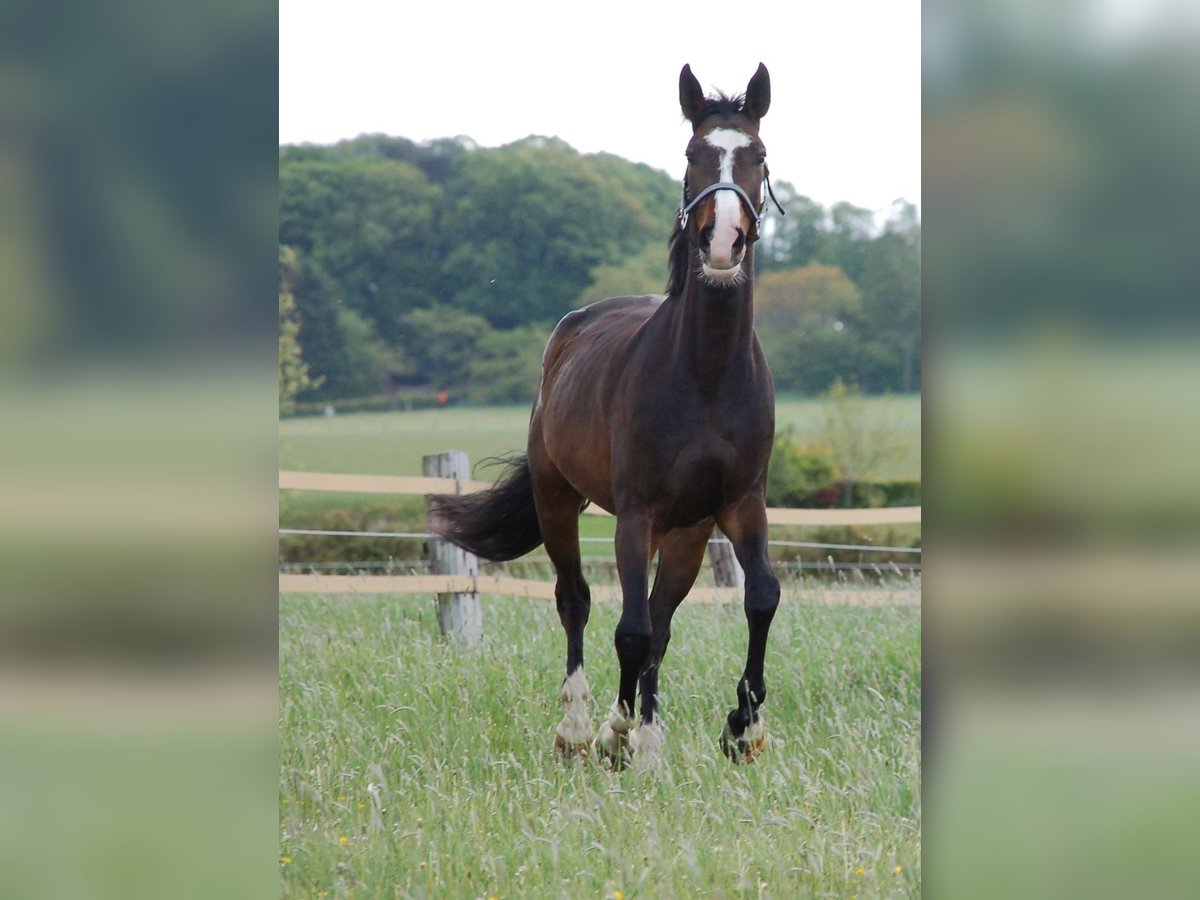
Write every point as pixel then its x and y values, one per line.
pixel 727 572
pixel 460 617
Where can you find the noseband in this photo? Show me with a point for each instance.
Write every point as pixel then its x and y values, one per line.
pixel 685 207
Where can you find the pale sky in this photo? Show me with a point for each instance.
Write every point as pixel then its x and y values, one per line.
pixel 845 114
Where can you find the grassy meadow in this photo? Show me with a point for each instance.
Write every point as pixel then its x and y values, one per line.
pixel 393 443
pixel 411 768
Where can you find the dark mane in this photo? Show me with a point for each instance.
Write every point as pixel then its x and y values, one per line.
pixel 721 105
pixel 678 260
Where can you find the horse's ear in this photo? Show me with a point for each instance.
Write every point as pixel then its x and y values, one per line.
pixel 758 94
pixel 691 96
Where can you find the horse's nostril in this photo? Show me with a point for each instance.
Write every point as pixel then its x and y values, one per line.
pixel 740 243
pixel 706 237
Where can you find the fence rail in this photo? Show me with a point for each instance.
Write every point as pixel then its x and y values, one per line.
pixel 459 588
pixel 544 590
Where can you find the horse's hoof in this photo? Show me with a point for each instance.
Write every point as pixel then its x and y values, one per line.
pixel 567 750
pixel 612 747
pixel 612 743
pixel 573 735
pixel 744 747
pixel 646 743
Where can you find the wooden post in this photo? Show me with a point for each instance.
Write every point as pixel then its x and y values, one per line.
pixel 727 572
pixel 459 616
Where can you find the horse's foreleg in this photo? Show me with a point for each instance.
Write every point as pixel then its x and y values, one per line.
pixel 746 527
pixel 680 557
pixel 634 633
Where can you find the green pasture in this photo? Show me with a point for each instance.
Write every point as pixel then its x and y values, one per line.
pixel 392 443
pixel 413 768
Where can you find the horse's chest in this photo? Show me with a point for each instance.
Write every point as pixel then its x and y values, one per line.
pixel 705 476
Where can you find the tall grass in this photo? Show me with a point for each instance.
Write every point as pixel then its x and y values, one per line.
pixel 410 768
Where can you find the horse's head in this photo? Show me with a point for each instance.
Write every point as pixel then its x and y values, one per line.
pixel 722 190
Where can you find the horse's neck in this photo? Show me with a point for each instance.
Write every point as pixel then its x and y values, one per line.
pixel 715 330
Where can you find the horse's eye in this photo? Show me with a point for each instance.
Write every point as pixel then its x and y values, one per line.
pixel 760 161
pixel 690 158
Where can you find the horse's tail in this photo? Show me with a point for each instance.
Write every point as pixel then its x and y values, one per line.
pixel 498 524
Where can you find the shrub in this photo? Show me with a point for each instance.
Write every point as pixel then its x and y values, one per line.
pixel 797 472
pixel 806 476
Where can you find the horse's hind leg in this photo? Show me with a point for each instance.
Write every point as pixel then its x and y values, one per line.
pixel 746 527
pixel 633 637
pixel 679 561
pixel 558 506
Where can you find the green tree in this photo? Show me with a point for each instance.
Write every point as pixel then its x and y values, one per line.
pixel 890 316
pixel 319 332
pixel 293 371
pixel 795 238
pixel 533 219
pixel 370 363
pixel 645 273
pixel 845 242
pixel 397 241
pixel 369 224
pixel 805 320
pixel 508 367
pixel 440 344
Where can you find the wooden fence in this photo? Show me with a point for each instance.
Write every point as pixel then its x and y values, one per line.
pixel 456 580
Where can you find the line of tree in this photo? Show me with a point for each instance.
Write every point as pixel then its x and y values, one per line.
pixel 443 266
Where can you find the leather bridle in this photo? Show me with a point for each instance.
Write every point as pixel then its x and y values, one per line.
pixel 756 213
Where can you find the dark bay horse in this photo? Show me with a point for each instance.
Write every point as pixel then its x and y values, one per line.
pixel 661 410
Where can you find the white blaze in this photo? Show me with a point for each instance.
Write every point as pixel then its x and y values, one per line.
pixel 728 207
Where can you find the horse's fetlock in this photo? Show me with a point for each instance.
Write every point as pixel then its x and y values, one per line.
pixel 738 720
pixel 758 694
pixel 751 694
